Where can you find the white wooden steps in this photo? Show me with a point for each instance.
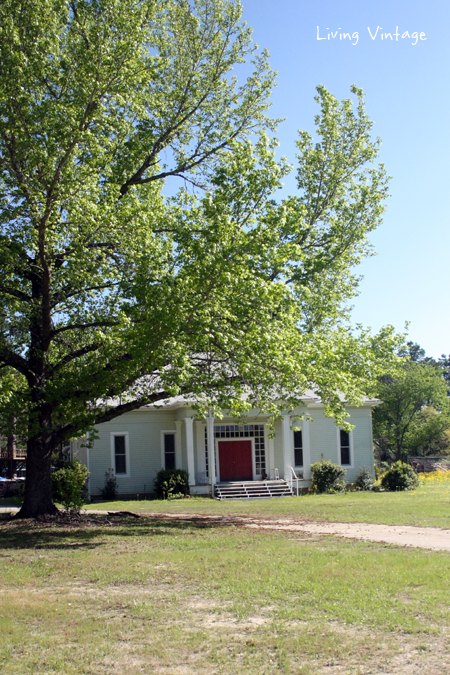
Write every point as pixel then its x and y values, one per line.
pixel 253 489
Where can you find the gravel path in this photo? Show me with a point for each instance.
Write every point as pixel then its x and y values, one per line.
pixel 403 535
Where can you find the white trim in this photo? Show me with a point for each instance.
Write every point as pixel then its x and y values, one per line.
pixel 287 440
pixel 252 438
pixel 88 461
pixel 251 413
pixel 212 464
pixel 371 403
pixel 270 454
pixel 352 454
pixel 189 428
pixel 306 438
pixel 163 454
pixel 371 443
pixel 299 425
pixel 178 461
pixel 216 457
pixel 112 435
pixel 225 440
pixel 201 455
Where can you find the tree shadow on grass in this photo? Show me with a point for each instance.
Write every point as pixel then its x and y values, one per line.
pixel 70 536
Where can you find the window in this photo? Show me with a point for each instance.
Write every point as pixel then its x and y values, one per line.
pixel 298 448
pixel 169 451
pixel 119 454
pixel 344 438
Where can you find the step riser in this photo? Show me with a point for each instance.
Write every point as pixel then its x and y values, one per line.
pixel 280 489
pixel 242 491
pixel 248 499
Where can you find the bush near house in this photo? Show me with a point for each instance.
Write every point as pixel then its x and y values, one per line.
pixel 364 480
pixel 68 485
pixel 170 483
pixel 110 490
pixel 400 476
pixel 327 477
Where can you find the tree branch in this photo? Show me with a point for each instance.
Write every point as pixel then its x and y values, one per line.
pixel 81 326
pixel 15 293
pixel 74 355
pixel 10 358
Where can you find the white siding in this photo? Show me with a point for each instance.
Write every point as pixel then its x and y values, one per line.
pixel 144 428
pixel 324 440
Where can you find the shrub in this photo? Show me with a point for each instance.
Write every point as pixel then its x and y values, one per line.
pixel 364 480
pixel 327 477
pixel 400 476
pixel 18 495
pixel 376 487
pixel 110 490
pixel 171 483
pixel 68 485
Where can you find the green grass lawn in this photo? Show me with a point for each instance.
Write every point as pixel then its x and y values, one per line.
pixel 154 596
pixel 427 506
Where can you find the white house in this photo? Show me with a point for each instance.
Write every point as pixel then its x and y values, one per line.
pixel 138 444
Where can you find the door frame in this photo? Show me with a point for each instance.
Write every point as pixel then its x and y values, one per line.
pixel 216 449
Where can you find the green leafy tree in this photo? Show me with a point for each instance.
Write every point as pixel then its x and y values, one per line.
pixel 417 353
pixel 414 417
pixel 113 295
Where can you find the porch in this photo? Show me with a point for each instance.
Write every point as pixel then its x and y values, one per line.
pixel 226 453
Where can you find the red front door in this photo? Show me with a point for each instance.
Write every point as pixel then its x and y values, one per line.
pixel 235 460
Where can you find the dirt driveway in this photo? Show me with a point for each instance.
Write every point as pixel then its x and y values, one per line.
pixel 432 538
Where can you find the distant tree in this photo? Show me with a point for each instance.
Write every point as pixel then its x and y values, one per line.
pixel 414 417
pixel 415 351
pixel 417 354
pixel 444 363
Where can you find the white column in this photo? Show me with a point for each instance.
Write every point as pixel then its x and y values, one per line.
pixel 306 450
pixel 270 456
pixel 189 422
pixel 178 462
pixel 287 446
pixel 201 454
pixel 211 458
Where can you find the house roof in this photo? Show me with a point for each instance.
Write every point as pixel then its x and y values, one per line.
pixel 309 398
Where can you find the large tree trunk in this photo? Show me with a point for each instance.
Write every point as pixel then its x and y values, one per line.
pixel 38 490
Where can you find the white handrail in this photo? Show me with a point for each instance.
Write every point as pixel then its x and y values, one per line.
pixel 296 478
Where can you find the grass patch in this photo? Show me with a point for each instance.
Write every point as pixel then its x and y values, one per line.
pixel 428 506
pixel 159 596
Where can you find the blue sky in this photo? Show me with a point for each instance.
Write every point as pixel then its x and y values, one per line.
pixel 408 97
